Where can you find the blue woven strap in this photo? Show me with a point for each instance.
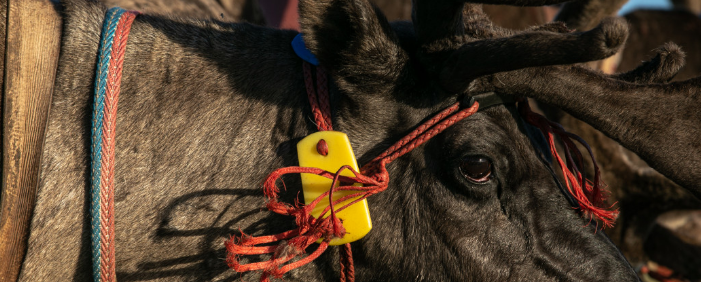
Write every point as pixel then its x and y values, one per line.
pixel 302 51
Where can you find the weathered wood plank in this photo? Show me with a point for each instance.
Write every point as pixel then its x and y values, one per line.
pixel 3 37
pixel 31 58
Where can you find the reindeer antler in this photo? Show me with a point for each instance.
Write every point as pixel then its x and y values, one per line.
pixel 434 20
pixel 459 43
pixel 661 69
pixel 524 50
pixel 659 122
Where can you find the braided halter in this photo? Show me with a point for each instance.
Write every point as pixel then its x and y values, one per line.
pixel 113 43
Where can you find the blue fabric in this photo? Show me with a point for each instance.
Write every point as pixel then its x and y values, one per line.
pixel 108 30
pixel 302 51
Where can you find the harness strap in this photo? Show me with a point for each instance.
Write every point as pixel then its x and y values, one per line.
pixel 113 42
pixel 490 99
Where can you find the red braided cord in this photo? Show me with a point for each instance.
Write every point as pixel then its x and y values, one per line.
pixel 107 236
pixel 320 108
pixel 587 193
pixel 347 273
pixel 428 130
pixel 419 130
pixel 322 85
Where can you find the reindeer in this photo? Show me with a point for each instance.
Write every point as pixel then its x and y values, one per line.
pixel 209 108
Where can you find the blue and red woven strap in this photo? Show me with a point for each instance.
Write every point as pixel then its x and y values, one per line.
pixel 113 41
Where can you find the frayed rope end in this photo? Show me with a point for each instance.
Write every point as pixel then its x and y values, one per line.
pixel 591 196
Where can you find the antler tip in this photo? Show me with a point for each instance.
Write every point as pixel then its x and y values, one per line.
pixel 615 32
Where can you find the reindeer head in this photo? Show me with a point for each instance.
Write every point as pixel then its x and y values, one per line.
pixel 476 202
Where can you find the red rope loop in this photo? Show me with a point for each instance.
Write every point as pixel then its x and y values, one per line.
pixel 589 194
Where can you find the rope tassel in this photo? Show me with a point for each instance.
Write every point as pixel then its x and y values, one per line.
pixel 589 194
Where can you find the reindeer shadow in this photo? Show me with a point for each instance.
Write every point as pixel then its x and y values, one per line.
pixel 211 255
pixel 209 262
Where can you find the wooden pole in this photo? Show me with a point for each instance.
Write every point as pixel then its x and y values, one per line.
pixel 32 46
pixel 3 38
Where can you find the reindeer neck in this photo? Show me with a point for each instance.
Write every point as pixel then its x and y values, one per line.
pixel 235 86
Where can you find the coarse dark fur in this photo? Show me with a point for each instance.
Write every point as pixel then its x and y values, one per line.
pixel 208 109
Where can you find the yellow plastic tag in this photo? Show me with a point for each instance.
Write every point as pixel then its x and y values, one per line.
pixel 355 218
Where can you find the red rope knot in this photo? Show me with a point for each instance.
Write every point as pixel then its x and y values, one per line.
pixel 322 148
pixel 376 169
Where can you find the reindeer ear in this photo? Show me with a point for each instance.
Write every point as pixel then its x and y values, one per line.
pixel 353 40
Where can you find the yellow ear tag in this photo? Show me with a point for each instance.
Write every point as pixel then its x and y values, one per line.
pixel 355 218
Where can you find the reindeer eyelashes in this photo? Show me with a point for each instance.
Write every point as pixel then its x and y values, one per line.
pixel 476 169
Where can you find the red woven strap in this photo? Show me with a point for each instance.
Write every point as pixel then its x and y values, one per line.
pixel 373 176
pixel 589 194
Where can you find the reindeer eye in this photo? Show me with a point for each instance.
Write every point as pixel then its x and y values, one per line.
pixel 476 169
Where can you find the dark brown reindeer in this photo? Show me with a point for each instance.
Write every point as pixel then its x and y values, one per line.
pixel 208 109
